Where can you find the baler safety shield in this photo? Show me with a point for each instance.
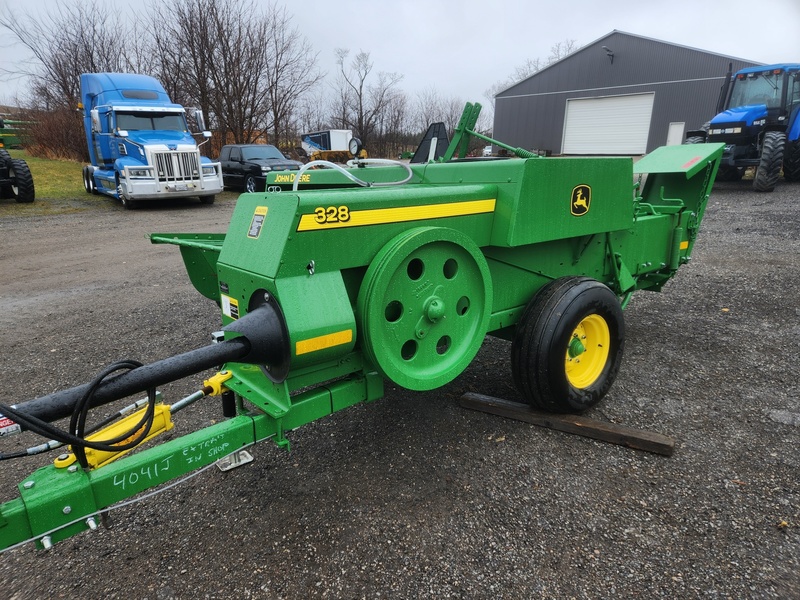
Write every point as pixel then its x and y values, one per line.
pixel 688 158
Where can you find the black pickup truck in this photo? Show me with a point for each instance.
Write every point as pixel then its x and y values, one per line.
pixel 245 166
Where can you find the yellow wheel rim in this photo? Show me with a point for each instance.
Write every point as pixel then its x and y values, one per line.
pixel 587 351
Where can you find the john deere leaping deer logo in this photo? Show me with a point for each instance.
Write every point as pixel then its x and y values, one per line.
pixel 581 200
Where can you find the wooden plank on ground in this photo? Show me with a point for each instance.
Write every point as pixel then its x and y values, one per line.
pixel 592 428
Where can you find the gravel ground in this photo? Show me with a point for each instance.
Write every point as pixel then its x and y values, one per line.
pixel 412 496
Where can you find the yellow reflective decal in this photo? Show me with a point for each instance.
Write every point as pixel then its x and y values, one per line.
pixel 323 341
pixel 684 244
pixel 330 217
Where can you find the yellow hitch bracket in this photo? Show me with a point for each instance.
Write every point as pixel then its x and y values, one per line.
pixel 162 421
pixel 215 382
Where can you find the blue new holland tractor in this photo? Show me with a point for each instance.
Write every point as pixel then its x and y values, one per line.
pixel 759 124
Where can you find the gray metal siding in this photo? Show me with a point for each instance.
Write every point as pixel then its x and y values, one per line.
pixel 686 83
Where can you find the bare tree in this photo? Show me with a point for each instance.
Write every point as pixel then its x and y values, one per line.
pixel 291 72
pixel 212 54
pixel 560 50
pixel 392 127
pixel 312 113
pixel 72 39
pixel 532 66
pixel 363 99
pixel 432 108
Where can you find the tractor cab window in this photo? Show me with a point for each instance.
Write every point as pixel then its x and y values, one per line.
pixel 150 121
pixel 757 88
pixel 794 91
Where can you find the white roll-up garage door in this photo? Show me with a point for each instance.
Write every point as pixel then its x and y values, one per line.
pixel 609 125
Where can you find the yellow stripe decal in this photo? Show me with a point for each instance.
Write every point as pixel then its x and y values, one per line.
pixel 380 216
pixel 684 245
pixel 324 341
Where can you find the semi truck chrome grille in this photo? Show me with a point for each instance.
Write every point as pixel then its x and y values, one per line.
pixel 177 166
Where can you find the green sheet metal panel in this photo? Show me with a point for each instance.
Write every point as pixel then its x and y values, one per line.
pixel 568 197
pixel 284 234
pixel 688 158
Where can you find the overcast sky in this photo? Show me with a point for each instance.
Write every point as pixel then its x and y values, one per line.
pixel 463 47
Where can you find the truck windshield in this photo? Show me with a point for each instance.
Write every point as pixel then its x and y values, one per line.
pixel 261 153
pixel 757 88
pixel 148 121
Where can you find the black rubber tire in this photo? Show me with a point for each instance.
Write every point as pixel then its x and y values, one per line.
pixel 5 163
pixel 769 167
pixel 22 181
pixel 543 334
pixel 726 173
pixel 88 180
pixel 128 204
pixel 249 184
pixel 696 139
pixel 206 199
pixel 791 161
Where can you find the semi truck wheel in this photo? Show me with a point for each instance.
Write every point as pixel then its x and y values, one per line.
pixel 88 180
pixel 22 181
pixel 769 166
pixel 126 202
pixel 568 345
pixel 791 162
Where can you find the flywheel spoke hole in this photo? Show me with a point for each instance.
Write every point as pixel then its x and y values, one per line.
pixel 462 306
pixel 415 269
pixel 409 350
pixel 450 268
pixel 394 310
pixel 443 345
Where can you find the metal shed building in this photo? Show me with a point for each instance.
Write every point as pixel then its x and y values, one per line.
pixel 622 94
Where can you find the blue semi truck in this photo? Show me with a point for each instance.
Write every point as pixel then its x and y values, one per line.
pixel 140 145
pixel 758 120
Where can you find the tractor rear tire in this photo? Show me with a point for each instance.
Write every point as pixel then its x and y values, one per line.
pixel 791 162
pixel 5 163
pixel 568 345
pixel 695 139
pixel 769 167
pixel 22 181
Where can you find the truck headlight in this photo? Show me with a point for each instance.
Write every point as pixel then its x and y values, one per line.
pixel 139 172
pixel 266 169
pixel 209 171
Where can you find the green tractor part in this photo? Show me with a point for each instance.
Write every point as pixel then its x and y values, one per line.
pixel 327 292
pixel 16 180
pixel 13 132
